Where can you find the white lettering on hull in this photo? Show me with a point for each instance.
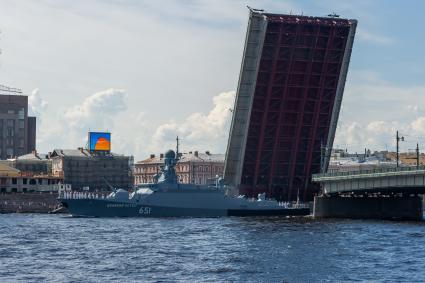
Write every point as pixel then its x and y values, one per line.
pixel 145 210
pixel 120 205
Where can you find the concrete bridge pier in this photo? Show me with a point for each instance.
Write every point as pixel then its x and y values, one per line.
pixel 392 207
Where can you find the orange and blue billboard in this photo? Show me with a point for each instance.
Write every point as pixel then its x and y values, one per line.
pixel 99 141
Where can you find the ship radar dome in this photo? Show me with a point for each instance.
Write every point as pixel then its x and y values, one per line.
pixel 170 154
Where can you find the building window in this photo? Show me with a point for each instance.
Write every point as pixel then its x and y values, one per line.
pixel 21 124
pixel 14 181
pixel 21 114
pixel 10 132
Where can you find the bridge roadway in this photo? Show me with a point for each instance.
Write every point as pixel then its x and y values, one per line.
pixel 388 193
pixel 408 180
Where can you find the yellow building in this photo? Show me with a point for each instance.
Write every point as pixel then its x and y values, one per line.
pixel 14 181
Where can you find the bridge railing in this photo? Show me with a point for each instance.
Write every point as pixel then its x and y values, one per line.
pixel 372 171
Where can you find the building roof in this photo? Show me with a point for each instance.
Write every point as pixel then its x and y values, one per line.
pixel 81 152
pixel 202 157
pixel 7 171
pixel 187 157
pixel 71 152
pixel 33 156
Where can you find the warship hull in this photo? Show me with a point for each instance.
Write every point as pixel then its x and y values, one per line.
pixel 104 208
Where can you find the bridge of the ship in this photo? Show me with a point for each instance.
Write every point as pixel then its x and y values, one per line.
pixel 405 180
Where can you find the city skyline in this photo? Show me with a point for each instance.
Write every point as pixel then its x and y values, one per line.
pixel 173 71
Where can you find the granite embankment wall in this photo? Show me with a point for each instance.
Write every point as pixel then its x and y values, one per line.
pixel 28 202
pixel 369 207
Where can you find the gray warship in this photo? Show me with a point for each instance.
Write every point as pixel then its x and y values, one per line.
pixel 168 198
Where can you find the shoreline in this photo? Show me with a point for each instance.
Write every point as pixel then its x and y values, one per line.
pixel 42 203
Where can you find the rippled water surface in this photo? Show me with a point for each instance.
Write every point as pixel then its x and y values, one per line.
pixel 40 248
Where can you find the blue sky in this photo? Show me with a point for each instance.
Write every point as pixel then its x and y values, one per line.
pixel 149 70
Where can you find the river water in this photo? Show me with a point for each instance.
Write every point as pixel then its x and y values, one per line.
pixel 57 248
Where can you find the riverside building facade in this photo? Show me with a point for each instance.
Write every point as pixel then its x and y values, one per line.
pixel 13 180
pixel 192 168
pixel 83 169
pixel 17 129
pixel 31 163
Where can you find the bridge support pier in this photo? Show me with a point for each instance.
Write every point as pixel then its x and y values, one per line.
pixel 369 207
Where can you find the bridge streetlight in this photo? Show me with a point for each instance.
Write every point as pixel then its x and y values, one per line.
pixel 398 139
pixel 417 155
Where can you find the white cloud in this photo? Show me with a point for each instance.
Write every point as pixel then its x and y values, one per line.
pixel 413 108
pixel 366 102
pixel 417 126
pixel 199 130
pixel 168 71
pixel 375 108
pixel 140 134
pixel 97 111
pixel 36 104
pixel 69 129
pixel 380 135
pixel 382 127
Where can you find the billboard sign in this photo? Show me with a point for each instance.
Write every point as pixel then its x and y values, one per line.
pixel 99 141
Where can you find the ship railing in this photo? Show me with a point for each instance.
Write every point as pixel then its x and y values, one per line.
pixel 80 195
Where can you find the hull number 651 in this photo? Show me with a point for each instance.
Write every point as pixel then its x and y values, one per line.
pixel 145 210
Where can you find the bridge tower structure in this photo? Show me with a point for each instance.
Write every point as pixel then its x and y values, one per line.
pixel 289 95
